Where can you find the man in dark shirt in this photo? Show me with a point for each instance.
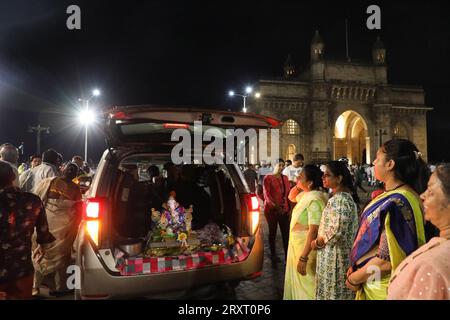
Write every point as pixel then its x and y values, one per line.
pixel 20 214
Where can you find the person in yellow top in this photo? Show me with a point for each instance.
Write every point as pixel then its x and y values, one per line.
pixel 300 272
pixel 83 178
pixel 392 224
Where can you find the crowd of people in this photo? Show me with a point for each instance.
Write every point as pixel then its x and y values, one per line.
pixel 40 210
pixel 336 248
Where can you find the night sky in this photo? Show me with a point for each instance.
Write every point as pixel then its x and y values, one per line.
pixel 193 52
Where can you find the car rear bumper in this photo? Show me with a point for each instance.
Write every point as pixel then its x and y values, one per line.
pixel 97 282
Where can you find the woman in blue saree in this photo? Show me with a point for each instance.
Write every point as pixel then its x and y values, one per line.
pixel 392 224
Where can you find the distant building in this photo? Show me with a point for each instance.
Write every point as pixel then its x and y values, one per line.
pixel 342 108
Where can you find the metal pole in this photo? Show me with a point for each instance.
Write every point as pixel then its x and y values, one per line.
pixel 245 109
pixel 38 129
pixel 38 142
pixel 86 134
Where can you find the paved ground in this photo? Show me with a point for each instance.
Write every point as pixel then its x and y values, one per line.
pixel 267 287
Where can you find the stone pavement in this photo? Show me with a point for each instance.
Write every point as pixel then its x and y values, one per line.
pixel 271 283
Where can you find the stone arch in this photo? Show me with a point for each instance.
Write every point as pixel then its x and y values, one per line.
pixel 290 127
pixel 290 138
pixel 351 137
pixel 291 151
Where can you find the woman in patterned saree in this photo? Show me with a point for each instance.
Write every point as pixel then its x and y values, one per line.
pixel 337 231
pixel 392 224
pixel 300 273
pixel 62 200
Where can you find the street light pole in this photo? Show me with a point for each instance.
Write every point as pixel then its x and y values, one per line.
pixel 86 134
pixel 38 129
pixel 244 96
pixel 95 93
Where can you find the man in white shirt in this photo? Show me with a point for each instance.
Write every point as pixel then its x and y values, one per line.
pixel 264 170
pixel 47 169
pixel 295 168
pixel 26 178
pixel 10 154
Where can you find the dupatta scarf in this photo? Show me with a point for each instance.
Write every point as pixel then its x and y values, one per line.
pixel 400 214
pixel 304 199
pixel 404 231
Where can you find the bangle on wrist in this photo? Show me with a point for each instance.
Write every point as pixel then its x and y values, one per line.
pixel 318 245
pixel 351 283
pixel 303 259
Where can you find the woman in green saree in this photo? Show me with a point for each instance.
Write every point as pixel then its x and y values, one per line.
pixel 300 272
pixel 392 224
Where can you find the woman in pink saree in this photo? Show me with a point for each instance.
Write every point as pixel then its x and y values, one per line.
pixel 425 274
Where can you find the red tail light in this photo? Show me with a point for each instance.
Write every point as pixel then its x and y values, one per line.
pixel 92 209
pixel 92 213
pixel 254 202
pixel 175 126
pixel 253 210
pixel 119 115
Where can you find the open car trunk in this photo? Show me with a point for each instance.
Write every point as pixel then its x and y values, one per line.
pixel 163 210
pixel 146 234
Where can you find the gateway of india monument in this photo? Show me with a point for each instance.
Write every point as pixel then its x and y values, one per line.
pixel 341 108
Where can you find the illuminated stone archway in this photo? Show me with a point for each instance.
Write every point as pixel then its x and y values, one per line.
pixel 291 151
pixel 351 138
pixel 290 139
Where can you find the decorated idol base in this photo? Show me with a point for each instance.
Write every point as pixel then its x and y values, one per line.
pixel 171 229
pixel 172 233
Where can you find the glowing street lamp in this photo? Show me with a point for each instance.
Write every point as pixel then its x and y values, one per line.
pixel 248 91
pixel 87 117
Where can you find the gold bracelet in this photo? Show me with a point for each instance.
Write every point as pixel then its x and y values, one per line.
pixel 352 284
pixel 303 259
pixel 318 246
